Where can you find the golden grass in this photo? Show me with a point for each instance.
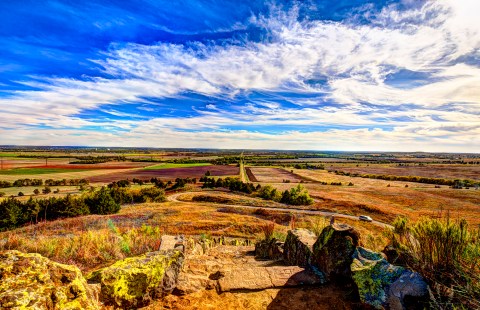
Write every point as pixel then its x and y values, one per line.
pixel 413 201
pixel 96 240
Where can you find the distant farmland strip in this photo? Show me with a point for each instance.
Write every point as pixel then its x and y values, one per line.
pixel 250 175
pixel 167 174
pixel 171 166
pixel 34 171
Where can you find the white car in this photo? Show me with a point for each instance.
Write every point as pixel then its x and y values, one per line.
pixel 365 218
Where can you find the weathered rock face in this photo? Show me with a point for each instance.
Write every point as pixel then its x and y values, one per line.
pixel 332 252
pixel 135 281
pixel 269 249
pixel 297 250
pixel 381 284
pixel 31 281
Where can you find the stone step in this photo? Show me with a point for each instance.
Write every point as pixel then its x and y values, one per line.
pixel 259 278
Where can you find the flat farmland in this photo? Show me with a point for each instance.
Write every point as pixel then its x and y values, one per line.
pixel 273 175
pixel 428 170
pixel 59 175
pixel 375 197
pixel 64 163
pixel 166 174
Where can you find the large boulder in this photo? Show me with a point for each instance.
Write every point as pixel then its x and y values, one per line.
pixel 269 249
pixel 332 252
pixel 136 281
pixel 383 285
pixel 31 281
pixel 297 250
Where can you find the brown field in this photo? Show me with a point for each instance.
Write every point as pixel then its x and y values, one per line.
pixel 431 170
pixel 374 197
pixel 250 175
pixel 166 174
pixel 274 175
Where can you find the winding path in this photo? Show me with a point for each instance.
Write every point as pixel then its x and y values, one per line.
pixel 174 198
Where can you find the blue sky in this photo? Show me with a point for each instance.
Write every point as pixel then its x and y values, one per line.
pixel 317 75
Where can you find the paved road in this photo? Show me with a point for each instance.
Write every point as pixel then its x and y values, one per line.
pixel 174 198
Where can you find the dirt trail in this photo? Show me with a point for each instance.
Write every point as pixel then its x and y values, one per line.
pixel 174 198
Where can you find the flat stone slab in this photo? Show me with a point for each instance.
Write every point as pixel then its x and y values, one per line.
pixel 169 242
pixel 259 278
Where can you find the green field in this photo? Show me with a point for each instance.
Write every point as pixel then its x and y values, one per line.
pixel 170 166
pixel 8 155
pixel 33 171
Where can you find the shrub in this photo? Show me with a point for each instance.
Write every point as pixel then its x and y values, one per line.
pixel 296 196
pixel 2 194
pixel 267 230
pixel 268 192
pixel 21 194
pixel 447 254
pixel 36 191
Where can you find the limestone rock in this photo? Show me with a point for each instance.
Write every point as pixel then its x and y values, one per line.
pixel 259 278
pixel 297 250
pixel 381 284
pixel 269 249
pixel 31 281
pixel 135 281
pixel 332 252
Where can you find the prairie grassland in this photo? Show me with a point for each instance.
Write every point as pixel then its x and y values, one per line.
pixel 386 201
pixel 96 240
pixel 28 191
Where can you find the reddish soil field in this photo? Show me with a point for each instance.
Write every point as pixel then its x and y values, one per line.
pixel 431 171
pixel 250 175
pixel 167 174
pixel 111 165
pixel 273 175
pixel 62 163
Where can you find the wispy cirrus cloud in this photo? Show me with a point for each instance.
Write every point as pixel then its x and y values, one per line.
pixel 359 75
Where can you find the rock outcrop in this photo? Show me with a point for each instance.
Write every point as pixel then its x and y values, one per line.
pixel 31 281
pixel 333 250
pixel 383 285
pixel 297 250
pixel 269 249
pixel 135 281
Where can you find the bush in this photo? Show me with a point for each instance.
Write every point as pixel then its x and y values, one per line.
pixel 447 254
pixel 2 194
pixel 296 196
pixel 268 192
pixel 36 191
pixel 20 194
pixel 102 202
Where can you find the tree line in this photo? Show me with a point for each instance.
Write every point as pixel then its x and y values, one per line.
pixel 40 182
pixel 107 200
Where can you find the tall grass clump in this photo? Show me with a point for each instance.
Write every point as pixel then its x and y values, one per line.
pixel 268 230
pixel 447 254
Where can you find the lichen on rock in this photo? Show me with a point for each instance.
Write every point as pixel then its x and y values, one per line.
pixel 269 249
pixel 297 250
pixel 135 281
pixel 332 252
pixel 373 276
pixel 31 281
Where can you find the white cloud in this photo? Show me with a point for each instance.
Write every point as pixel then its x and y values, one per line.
pixel 355 60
